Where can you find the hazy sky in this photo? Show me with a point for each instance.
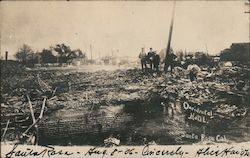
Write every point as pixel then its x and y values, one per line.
pixel 123 25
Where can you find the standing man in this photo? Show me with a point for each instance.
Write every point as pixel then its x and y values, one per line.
pixel 150 58
pixel 142 56
pixel 156 61
pixel 170 61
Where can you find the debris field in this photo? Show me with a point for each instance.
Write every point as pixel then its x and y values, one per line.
pixel 132 105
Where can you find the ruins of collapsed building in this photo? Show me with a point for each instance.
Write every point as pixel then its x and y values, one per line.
pixel 63 107
pixel 125 106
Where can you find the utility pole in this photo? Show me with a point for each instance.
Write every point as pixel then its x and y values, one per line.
pixel 206 49
pixel 248 12
pixel 6 55
pixel 169 38
pixel 117 52
pixel 91 52
pixel 247 3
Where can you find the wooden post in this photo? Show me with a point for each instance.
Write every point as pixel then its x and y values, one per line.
pixel 91 52
pixel 31 109
pixel 6 55
pixel 169 39
pixel 5 130
pixel 43 106
pixel 33 118
pixel 36 121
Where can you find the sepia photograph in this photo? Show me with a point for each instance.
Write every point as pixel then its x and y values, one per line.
pixel 122 77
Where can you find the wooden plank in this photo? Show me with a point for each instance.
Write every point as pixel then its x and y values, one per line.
pixel 5 130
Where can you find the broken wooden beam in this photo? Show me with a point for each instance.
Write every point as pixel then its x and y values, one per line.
pixel 5 130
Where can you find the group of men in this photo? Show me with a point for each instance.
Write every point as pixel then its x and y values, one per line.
pixel 153 59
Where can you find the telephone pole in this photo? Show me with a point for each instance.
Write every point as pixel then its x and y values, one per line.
pixel 247 3
pixel 169 38
pixel 6 55
pixel 91 52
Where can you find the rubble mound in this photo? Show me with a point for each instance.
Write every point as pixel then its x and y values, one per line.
pixel 163 109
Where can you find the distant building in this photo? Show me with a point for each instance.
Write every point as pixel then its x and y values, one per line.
pixel 245 46
pixel 237 52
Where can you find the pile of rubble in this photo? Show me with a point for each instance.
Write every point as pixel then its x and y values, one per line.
pixel 141 94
